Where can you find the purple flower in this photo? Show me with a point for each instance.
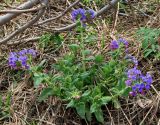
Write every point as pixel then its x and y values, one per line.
pixel 13 59
pixel 114 45
pixel 133 93
pixel 27 66
pixel 133 74
pixel 82 14
pixel 147 86
pixel 141 87
pixel 90 14
pixel 21 58
pixel 26 52
pixel 22 52
pixel 148 78
pixel 137 85
pixel 138 88
pixel 134 88
pixel 125 42
pixel 79 14
pixel 31 52
pixel 128 82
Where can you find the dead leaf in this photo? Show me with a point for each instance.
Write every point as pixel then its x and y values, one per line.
pixel 144 103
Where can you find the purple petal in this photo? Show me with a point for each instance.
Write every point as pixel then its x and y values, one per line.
pixel 114 45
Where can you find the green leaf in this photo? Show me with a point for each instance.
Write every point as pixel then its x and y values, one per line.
pixel 107 69
pixel 99 58
pixel 126 91
pixel 145 44
pixel 84 75
pixel 39 78
pixel 153 48
pixel 80 107
pixel 121 83
pixel 57 38
pixel 37 81
pixel 74 47
pixel 1 101
pixel 71 104
pixel 148 37
pixel 86 93
pixel 106 99
pixel 88 114
pixel 116 103
pixel 147 52
pixel 90 39
pixel 86 52
pixel 37 74
pixel 42 63
pixel 115 90
pixel 93 107
pixel 99 115
pixel 45 93
pixel 8 100
pixel 44 40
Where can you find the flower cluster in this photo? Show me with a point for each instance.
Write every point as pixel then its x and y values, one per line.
pixel 116 43
pixel 82 14
pixel 20 59
pixel 138 82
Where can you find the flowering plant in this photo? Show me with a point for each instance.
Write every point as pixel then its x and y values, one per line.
pixel 83 15
pixel 21 59
pixel 91 82
pixel 138 82
pixel 85 80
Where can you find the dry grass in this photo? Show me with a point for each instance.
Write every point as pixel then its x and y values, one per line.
pixel 26 110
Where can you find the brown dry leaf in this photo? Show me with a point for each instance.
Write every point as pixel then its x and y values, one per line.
pixel 144 103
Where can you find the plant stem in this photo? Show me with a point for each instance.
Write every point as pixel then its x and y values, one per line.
pixel 82 46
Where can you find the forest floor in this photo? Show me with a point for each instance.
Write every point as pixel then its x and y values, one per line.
pixel 19 104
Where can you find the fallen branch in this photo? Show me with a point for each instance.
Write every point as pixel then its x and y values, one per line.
pixel 7 17
pixel 62 14
pixel 29 24
pixel 21 11
pixel 32 39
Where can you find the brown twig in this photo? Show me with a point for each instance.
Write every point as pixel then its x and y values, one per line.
pixel 126 117
pixel 115 18
pixel 112 121
pixel 29 24
pixel 22 11
pixel 62 14
pixel 9 16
